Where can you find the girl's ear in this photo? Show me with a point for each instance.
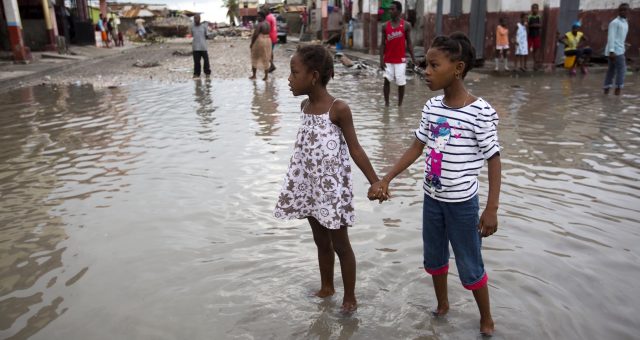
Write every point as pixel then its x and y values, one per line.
pixel 459 69
pixel 315 77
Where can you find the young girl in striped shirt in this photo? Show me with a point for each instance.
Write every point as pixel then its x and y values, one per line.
pixel 460 133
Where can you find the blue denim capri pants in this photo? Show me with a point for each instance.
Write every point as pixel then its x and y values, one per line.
pixel 455 222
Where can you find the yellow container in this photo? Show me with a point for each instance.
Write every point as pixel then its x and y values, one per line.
pixel 569 61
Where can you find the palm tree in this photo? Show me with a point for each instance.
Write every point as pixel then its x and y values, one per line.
pixel 233 10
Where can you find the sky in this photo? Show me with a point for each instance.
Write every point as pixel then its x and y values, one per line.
pixel 212 10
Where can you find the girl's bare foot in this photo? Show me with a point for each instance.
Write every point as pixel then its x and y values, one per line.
pixel 349 307
pixel 442 310
pixel 325 292
pixel 486 327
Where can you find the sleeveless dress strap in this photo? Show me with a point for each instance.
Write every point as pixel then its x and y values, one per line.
pixel 334 101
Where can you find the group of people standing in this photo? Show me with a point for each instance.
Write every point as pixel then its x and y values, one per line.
pixel 528 40
pixel 109 31
pixel 577 51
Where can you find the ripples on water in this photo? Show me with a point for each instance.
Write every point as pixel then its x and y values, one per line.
pixel 145 212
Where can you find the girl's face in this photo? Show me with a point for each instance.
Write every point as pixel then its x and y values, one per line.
pixel 440 71
pixel 301 78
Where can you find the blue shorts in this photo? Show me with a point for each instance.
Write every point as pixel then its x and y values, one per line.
pixel 455 222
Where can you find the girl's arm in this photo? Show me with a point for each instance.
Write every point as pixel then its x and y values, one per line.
pixel 342 117
pixel 489 218
pixel 381 188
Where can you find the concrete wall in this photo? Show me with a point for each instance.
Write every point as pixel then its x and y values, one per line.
pixel 594 14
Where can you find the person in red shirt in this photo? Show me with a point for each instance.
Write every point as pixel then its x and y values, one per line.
pixel 304 16
pixel 396 40
pixel 271 19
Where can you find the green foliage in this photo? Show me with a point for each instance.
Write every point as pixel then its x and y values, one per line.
pixel 233 10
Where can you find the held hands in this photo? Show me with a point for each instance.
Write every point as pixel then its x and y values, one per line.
pixel 379 191
pixel 488 222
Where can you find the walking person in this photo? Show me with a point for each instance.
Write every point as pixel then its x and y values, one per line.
pixel 199 45
pixel 396 41
pixel 273 33
pixel 304 17
pixel 618 29
pixel 318 185
pixel 260 47
pixel 111 31
pixel 460 133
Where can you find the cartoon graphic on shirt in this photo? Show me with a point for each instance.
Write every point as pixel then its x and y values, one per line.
pixel 441 132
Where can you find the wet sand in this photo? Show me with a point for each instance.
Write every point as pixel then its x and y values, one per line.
pixel 229 57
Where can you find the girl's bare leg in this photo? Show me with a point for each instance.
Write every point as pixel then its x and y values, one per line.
pixel 440 286
pixel 482 299
pixel 326 258
pixel 342 247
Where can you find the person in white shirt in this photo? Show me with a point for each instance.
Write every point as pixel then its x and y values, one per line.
pixel 618 29
pixel 522 47
pixel 460 133
pixel 199 44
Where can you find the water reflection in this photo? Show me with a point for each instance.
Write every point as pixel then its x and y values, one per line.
pixel 129 204
pixel 50 135
pixel 264 107
pixel 205 109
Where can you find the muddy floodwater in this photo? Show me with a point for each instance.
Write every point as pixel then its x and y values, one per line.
pixel 145 212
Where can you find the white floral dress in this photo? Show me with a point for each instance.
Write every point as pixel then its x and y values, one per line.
pixel 318 182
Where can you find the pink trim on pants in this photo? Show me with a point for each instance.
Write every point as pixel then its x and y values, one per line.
pixel 479 284
pixel 440 271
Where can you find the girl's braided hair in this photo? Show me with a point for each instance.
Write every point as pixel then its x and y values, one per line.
pixel 458 47
pixel 317 58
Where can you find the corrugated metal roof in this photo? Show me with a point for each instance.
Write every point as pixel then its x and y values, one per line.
pixel 135 11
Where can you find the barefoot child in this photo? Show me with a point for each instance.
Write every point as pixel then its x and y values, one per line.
pixel 318 184
pixel 460 133
pixel 522 49
pixel 502 44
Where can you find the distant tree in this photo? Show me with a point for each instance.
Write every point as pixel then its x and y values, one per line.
pixel 233 10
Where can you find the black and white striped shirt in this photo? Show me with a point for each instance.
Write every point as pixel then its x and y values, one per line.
pixel 458 141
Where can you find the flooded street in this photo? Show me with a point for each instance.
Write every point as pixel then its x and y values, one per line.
pixel 145 212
